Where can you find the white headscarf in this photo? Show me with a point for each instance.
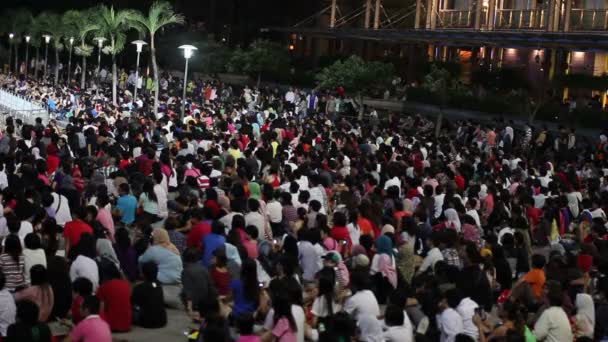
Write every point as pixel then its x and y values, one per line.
pixel 585 315
pixel 370 327
pixel 453 221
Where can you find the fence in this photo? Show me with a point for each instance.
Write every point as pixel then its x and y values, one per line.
pixel 19 107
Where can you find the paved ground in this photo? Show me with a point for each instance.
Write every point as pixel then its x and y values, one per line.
pixel 177 323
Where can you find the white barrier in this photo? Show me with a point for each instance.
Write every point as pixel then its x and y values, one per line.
pixel 19 107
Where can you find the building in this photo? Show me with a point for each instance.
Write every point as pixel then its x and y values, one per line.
pixel 541 38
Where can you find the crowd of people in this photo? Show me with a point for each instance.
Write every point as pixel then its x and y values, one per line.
pixel 271 215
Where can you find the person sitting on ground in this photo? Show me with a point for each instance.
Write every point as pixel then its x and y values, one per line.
pixel 147 299
pixel 27 327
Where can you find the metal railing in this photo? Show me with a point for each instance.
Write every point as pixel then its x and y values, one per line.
pixel 533 19
pixel 455 18
pixel 20 107
pixel 588 19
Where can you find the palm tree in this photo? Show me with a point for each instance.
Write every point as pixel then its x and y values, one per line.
pixel 114 26
pixel 54 26
pixel 79 25
pixel 16 21
pixel 160 15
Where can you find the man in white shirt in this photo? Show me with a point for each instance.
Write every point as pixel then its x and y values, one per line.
pixel 449 321
pixel 398 325
pixel 254 218
pixel 432 256
pixel 466 309
pixel 363 301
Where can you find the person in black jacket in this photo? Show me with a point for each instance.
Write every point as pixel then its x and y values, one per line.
pixel 148 301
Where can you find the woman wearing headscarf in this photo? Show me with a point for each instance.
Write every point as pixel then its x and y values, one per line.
pixel 383 268
pixel 166 256
pixel 585 316
pixel 452 221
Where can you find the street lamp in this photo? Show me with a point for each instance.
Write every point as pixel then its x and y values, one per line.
pixel 188 51
pixel 47 39
pixel 70 59
pixel 27 54
pixel 139 45
pixel 99 41
pixel 10 51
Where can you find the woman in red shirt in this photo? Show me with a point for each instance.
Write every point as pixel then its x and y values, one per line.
pixel 115 297
pixel 340 233
pixel 219 272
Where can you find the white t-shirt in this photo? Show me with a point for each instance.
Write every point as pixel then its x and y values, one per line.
pixel 85 267
pixel 33 257
pixel 256 219
pixel 362 303
pixel 274 210
pixel 398 334
pixel 449 324
pixel 62 209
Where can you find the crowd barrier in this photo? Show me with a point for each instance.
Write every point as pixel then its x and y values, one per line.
pixel 19 107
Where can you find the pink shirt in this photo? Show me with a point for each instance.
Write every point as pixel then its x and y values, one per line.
pixel 105 218
pixel 249 338
pixel 282 331
pixel 91 329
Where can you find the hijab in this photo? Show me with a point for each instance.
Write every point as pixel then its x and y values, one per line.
pixel 161 237
pixel 384 245
pixel 255 191
pixel 452 219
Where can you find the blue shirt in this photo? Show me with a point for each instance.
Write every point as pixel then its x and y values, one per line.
pixel 169 264
pixel 127 205
pixel 242 304
pixel 211 242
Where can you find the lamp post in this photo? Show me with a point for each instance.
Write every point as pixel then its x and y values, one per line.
pixel 27 54
pixel 188 51
pixel 47 39
pixel 10 51
pixel 70 59
pixel 139 45
pixel 99 41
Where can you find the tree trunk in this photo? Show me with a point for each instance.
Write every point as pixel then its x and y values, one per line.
pixel 155 69
pixel 360 100
pixel 83 79
pixel 56 66
pixel 439 120
pixel 114 80
pixel 259 79
pixel 36 66
pixel 16 59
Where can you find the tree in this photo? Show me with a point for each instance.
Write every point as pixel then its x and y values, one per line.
pixel 262 56
pixel 356 76
pixel 17 22
pixel 438 82
pixel 114 26
pixel 80 25
pixel 53 24
pixel 161 14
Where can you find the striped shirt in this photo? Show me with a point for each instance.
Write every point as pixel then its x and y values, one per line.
pixel 14 272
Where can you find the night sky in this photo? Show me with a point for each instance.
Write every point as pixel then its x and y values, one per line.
pixel 241 15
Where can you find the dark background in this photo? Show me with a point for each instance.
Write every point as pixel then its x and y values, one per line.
pixel 240 19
